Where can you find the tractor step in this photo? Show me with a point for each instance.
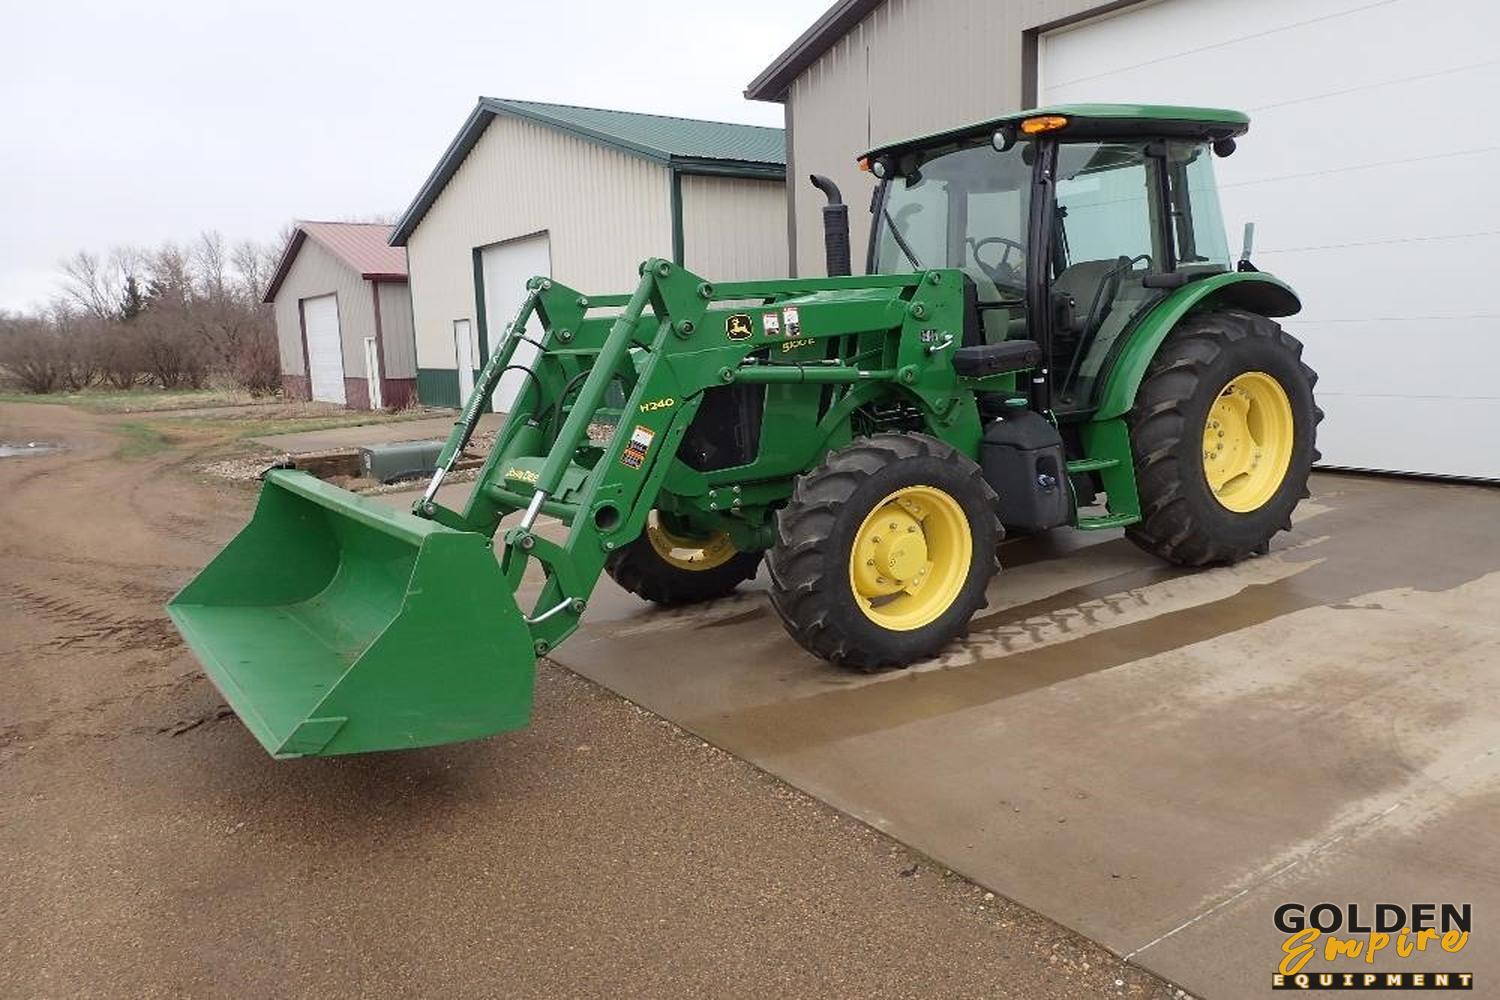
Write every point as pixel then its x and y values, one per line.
pixel 1092 464
pixel 1106 521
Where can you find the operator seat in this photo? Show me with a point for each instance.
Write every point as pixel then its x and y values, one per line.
pixel 1087 289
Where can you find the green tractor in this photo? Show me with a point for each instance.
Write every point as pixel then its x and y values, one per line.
pixel 1051 332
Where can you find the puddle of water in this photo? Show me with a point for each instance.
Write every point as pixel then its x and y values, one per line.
pixel 8 450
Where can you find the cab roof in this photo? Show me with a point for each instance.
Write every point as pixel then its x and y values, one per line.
pixel 1101 121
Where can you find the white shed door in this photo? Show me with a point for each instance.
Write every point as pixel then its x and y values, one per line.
pixel 506 268
pixel 372 373
pixel 1370 171
pixel 325 348
pixel 464 355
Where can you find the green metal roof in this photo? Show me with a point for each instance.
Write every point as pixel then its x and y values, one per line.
pixel 1163 118
pixel 658 137
pixel 688 145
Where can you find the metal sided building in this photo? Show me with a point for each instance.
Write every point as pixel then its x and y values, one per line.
pixel 582 195
pixel 343 316
pixel 1368 170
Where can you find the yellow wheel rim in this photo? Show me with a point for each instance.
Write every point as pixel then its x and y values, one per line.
pixel 692 554
pixel 1247 441
pixel 910 558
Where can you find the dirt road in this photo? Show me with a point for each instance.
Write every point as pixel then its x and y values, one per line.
pixel 148 847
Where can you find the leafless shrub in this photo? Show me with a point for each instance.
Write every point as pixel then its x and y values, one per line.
pixel 32 354
pixel 121 360
pixel 78 344
pixel 257 368
pixel 173 315
pixel 172 355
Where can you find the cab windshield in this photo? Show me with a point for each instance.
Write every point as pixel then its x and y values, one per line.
pixel 963 207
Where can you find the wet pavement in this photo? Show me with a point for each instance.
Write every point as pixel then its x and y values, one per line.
pixel 1156 758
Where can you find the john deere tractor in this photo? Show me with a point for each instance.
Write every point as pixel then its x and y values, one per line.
pixel 1051 332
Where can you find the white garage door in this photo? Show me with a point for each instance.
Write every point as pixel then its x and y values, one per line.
pixel 507 266
pixel 1372 173
pixel 325 348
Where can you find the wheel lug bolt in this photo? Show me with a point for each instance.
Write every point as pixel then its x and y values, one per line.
pixel 869 562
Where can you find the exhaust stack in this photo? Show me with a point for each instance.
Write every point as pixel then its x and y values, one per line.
pixel 835 227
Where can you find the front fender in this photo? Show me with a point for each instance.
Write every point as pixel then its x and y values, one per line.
pixel 1255 291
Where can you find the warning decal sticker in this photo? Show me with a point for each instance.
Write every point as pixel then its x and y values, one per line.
pixel 637 447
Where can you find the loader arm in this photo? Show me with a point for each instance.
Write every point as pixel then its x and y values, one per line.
pixel 671 341
pixel 334 624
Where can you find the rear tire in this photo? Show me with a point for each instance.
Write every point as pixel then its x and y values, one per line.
pixel 659 566
pixel 937 553
pixel 1207 498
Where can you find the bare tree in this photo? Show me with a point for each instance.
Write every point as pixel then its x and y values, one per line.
pixel 210 263
pixel 253 265
pixel 172 315
pixel 93 283
pixel 169 282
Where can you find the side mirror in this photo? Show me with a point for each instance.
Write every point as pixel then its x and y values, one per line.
pixel 1249 244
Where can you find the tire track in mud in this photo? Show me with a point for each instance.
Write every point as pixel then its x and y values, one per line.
pixel 95 447
pixel 46 729
pixel 97 546
pixel 152 594
pixel 89 626
pixel 189 527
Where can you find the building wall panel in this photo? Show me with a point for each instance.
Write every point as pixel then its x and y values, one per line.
pixel 318 272
pixel 605 211
pixel 734 229
pixel 396 330
pixel 909 68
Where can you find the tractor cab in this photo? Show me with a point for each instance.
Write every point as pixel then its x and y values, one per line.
pixel 1071 222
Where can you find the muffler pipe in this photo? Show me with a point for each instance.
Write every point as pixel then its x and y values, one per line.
pixel 835 228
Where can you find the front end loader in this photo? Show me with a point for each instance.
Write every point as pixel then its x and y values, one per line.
pixel 1051 333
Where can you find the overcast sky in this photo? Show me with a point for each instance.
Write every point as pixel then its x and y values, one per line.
pixel 148 121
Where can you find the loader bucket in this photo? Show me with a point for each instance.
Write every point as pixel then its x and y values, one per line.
pixel 335 625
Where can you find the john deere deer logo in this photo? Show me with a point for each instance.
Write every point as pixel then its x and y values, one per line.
pixel 737 327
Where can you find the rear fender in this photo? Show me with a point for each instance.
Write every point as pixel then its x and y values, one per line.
pixel 1255 291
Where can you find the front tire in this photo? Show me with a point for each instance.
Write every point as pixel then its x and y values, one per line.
pixel 884 551
pixel 1223 437
pixel 674 567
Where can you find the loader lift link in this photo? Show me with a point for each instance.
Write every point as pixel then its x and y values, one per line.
pixel 865 437
pixel 676 323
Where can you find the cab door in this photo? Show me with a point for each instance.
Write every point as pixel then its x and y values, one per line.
pixel 1107 254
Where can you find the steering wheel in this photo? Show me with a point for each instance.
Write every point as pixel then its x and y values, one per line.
pixel 1002 272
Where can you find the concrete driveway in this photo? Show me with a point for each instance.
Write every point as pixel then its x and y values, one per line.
pixel 1153 757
